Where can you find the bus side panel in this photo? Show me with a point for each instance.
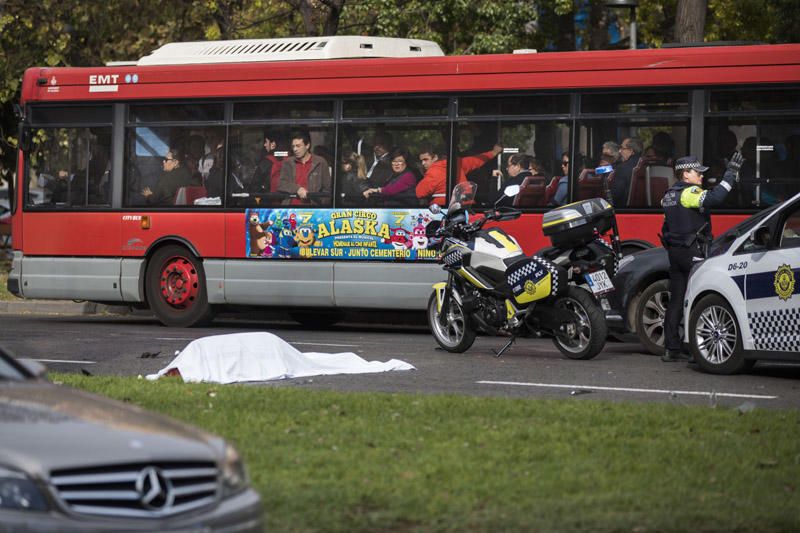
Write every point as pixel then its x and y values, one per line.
pixel 385 285
pixel 68 278
pixel 203 231
pixel 279 282
pixel 66 233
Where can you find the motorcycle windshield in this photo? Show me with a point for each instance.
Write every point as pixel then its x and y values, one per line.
pixel 463 196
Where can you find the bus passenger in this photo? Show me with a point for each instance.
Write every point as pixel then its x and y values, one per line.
pixel 173 177
pixel 630 152
pixel 307 173
pixel 355 177
pixel 267 176
pixel 518 168
pixel 381 169
pixel 432 187
pixel 399 188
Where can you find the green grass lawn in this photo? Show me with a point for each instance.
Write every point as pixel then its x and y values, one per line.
pixel 358 461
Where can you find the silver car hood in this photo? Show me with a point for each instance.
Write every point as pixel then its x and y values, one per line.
pixel 46 427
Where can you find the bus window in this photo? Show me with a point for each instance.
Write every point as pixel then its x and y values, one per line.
pixel 641 153
pixel 398 169
pixel 771 148
pixel 174 165
pixel 69 167
pixel 530 157
pixel 264 170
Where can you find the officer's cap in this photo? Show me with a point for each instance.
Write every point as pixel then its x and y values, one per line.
pixel 690 162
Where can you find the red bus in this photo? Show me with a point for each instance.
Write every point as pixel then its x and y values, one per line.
pixel 217 173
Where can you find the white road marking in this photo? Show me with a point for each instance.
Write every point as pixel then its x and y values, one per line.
pixel 627 389
pixel 66 361
pixel 322 344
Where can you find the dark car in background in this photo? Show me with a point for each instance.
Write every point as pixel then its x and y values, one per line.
pixel 74 461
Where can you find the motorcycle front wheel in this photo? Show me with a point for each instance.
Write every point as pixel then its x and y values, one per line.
pixel 452 331
pixel 586 334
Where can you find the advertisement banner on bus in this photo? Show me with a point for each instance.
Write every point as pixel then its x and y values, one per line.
pixel 341 234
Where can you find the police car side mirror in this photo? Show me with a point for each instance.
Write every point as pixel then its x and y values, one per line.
pixel 761 237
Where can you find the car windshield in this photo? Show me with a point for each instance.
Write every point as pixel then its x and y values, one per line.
pixel 8 370
pixel 722 243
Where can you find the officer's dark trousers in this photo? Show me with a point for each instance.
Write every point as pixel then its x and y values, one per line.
pixel 680 263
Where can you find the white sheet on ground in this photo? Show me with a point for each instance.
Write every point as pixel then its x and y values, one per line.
pixel 262 356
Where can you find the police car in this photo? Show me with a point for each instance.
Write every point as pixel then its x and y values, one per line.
pixel 743 302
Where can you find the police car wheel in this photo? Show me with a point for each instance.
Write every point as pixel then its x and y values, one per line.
pixel 715 339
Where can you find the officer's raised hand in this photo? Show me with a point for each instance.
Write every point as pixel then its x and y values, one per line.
pixel 734 166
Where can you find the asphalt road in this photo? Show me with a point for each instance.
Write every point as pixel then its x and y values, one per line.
pixel 532 368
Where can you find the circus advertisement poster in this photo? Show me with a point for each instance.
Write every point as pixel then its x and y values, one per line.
pixel 341 234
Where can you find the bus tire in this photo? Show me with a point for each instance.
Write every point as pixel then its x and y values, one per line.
pixel 175 285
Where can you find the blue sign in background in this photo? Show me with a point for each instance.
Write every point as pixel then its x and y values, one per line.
pixel 342 234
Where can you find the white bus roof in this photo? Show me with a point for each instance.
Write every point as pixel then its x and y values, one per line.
pixel 292 49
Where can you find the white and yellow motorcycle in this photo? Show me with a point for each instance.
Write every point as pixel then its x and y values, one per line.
pixel 493 286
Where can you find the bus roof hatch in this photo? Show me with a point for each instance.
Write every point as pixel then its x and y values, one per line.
pixel 292 49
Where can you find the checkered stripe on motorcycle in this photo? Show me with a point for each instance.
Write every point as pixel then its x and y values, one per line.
pixel 530 267
pixel 616 259
pixel 776 330
pixel 453 258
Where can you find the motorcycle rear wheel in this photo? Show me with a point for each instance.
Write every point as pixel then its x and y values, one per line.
pixel 589 334
pixel 455 334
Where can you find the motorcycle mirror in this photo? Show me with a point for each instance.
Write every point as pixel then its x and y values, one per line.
pixel 435 209
pixel 511 190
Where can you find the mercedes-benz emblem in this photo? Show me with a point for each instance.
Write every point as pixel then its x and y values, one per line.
pixel 155 490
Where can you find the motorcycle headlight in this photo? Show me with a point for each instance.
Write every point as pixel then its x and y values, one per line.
pixel 234 474
pixel 19 493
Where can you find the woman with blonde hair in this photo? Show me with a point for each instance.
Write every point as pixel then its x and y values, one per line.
pixel 354 168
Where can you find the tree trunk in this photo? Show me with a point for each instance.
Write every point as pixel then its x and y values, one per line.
pixel 598 26
pixel 690 21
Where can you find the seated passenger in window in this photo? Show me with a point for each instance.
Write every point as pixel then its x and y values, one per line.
pixel 518 168
pixel 173 177
pixel 432 187
pixel 398 190
pixel 354 170
pixel 305 174
pixel 630 152
pixel 60 187
pixel 267 175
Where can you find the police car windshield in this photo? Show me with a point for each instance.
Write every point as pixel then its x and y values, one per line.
pixel 724 241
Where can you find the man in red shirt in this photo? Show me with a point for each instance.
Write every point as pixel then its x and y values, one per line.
pixel 305 173
pixel 432 188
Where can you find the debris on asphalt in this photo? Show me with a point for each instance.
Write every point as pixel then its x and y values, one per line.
pixel 746 407
pixel 149 355
pixel 576 392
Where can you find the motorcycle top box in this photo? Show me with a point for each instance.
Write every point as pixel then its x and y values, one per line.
pixel 577 223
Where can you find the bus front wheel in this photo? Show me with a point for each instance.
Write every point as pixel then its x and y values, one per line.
pixel 176 288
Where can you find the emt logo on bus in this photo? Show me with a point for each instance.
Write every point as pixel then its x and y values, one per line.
pixel 103 83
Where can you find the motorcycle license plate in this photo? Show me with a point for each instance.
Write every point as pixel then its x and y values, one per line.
pixel 599 282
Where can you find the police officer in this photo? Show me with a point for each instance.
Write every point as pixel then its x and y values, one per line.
pixel 686 232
